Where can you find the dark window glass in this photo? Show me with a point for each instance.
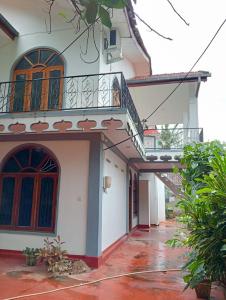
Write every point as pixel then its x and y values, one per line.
pixel 37 156
pixel 23 65
pixel 113 35
pixel 36 91
pixel 11 166
pixel 6 200
pixel 23 157
pixel 18 92
pixel 46 202
pixel 44 55
pixel 49 166
pixel 54 90
pixel 26 199
pixel 55 60
pixel 33 57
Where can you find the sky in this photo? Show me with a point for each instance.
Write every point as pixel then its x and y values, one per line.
pixel 204 18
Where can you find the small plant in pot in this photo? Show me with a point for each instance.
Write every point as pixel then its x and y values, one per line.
pixel 31 256
pixel 196 277
pixel 55 258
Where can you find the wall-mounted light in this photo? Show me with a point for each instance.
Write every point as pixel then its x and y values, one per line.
pixel 107 183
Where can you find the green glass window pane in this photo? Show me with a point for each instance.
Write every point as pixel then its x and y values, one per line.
pixel 36 91
pixel 54 89
pixel 6 200
pixel 19 93
pixel 26 200
pixel 46 202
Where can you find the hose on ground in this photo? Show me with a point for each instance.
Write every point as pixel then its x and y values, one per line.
pixel 91 282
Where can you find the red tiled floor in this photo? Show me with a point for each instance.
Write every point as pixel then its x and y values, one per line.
pixel 144 250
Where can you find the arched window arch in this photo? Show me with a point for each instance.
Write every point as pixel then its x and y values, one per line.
pixel 28 190
pixel 36 81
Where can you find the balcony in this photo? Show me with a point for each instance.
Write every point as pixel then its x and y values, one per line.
pixel 98 92
pixel 167 143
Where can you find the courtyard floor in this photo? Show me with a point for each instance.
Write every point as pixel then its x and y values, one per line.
pixel 144 250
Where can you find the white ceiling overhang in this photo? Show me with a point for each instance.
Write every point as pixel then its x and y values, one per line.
pixel 148 97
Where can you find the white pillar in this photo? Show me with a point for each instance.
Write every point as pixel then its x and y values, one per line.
pixel 152 200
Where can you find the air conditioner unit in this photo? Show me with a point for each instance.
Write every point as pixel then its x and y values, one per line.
pixel 114 55
pixel 112 46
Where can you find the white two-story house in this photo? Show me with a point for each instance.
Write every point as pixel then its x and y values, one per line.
pixel 73 106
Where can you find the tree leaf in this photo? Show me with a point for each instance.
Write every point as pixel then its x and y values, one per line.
pixel 105 17
pixel 91 12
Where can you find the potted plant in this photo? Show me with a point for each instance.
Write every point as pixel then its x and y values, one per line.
pixel 31 256
pixel 196 277
pixel 203 214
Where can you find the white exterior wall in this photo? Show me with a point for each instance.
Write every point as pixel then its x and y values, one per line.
pixel 160 191
pixel 73 157
pixel 155 198
pixel 114 204
pixel 29 19
pixel 123 65
pixel 144 202
pixel 134 218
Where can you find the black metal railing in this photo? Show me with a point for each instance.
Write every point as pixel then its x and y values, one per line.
pixel 108 90
pixel 127 101
pixel 171 138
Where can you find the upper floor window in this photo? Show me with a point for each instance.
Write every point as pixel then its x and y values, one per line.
pixel 37 84
pixel 28 191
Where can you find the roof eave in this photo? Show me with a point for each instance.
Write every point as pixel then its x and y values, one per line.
pixel 193 77
pixel 133 25
pixel 7 28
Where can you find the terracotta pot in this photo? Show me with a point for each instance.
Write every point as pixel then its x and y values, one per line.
pixel 203 289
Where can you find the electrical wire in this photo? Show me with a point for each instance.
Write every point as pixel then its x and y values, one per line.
pixel 173 91
pixel 91 283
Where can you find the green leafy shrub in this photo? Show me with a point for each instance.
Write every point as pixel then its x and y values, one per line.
pixel 31 255
pixel 204 211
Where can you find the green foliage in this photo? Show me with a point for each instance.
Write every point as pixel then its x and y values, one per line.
pixel 204 210
pixel 93 9
pixel 31 255
pixel 195 271
pixel 54 257
pixel 169 137
pixel 30 251
pixel 197 159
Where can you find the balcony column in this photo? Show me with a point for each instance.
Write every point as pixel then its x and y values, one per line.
pixel 193 119
pixel 151 200
pixel 94 205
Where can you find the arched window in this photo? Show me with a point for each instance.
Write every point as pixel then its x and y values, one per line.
pixel 28 190
pixel 36 82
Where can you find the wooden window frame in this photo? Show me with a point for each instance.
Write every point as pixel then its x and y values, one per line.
pixel 35 202
pixel 38 176
pixel 45 86
pixel 39 68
